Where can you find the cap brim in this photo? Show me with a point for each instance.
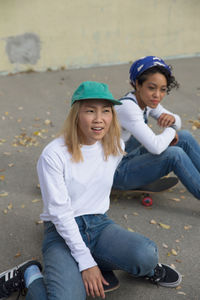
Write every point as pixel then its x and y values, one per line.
pixel 113 101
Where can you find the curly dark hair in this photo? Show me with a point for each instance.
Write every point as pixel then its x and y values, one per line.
pixel 171 81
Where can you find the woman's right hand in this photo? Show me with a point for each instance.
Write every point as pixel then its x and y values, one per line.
pixel 93 281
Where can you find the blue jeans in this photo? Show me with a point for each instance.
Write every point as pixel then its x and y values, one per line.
pixel 139 167
pixel 112 247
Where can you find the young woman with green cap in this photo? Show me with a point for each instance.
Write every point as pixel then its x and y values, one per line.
pixel 81 244
pixel 151 156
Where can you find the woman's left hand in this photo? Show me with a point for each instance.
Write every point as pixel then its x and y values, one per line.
pixel 165 120
pixel 174 141
pixel 93 281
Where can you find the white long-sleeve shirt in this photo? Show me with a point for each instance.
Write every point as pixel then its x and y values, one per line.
pixel 132 122
pixel 72 189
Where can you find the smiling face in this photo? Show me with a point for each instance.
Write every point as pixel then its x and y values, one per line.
pixel 151 91
pixel 94 120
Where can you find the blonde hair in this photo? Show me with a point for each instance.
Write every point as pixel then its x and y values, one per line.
pixel 72 136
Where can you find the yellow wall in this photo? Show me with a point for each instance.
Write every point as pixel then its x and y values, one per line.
pixel 78 33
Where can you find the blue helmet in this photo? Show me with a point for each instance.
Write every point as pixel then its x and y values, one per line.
pixel 144 63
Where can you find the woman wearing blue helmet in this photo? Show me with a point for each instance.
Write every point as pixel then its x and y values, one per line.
pixel 151 156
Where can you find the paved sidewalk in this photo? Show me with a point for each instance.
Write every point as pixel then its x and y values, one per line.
pixel 33 106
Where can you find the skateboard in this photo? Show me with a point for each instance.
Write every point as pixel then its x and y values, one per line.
pixel 160 185
pixel 113 281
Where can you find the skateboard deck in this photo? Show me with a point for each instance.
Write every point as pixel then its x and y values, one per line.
pixel 158 186
pixel 113 281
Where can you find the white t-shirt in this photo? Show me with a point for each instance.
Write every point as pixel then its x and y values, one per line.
pixel 132 122
pixel 72 189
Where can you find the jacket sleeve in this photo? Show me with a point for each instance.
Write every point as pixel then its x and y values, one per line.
pixel 58 207
pixel 159 110
pixel 131 118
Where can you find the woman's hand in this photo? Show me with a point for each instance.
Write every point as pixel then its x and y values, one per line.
pixel 174 141
pixel 93 281
pixel 166 120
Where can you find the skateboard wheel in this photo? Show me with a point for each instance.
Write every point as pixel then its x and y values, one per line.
pixel 147 201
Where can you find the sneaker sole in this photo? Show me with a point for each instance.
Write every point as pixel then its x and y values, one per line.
pixel 14 268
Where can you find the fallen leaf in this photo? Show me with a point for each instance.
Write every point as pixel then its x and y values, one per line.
pixel 10 165
pixel 181 293
pixel 2 177
pixel 175 199
pixel 47 122
pixel 165 226
pixel 18 254
pixel 135 214
pixel 130 229
pixel 173 252
pixel 44 130
pixel 39 222
pixel 178 287
pixel 164 245
pixel 37 133
pixel 187 227
pixel 7 153
pixel 196 123
pixel 153 222
pixel 125 216
pixel 2 140
pixel 36 200
pixel 10 206
pixel 3 194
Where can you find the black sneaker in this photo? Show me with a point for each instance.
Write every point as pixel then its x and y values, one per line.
pixel 13 280
pixel 111 279
pixel 166 276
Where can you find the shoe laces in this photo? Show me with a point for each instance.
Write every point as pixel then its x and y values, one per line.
pixel 159 274
pixel 15 283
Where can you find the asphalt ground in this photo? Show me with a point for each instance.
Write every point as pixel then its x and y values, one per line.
pixel 33 107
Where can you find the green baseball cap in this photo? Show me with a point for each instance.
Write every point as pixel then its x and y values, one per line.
pixel 93 90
